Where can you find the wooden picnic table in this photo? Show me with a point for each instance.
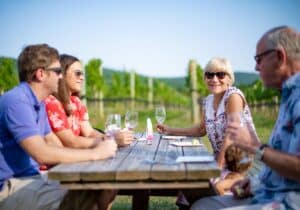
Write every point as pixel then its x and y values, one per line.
pixel 140 166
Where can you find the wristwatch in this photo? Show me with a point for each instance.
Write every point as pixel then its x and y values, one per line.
pixel 259 152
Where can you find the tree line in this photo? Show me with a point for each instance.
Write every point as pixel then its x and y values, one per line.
pixel 119 85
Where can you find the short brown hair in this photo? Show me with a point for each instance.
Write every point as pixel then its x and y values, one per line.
pixel 33 57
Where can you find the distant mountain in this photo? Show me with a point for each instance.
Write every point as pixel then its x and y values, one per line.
pixel 108 73
pixel 178 83
pixel 245 78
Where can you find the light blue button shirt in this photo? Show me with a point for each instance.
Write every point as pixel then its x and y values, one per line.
pixel 286 138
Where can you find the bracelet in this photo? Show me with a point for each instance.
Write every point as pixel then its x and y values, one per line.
pixel 261 147
pixel 259 152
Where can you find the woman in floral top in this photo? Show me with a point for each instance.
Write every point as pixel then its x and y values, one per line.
pixel 68 116
pixel 223 101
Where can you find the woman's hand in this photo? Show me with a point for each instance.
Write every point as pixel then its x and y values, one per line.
pixel 241 189
pixel 124 137
pixel 163 129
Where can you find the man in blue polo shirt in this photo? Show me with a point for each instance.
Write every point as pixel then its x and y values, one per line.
pixel 26 139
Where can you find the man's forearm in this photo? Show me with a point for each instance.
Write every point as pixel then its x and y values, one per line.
pixel 285 164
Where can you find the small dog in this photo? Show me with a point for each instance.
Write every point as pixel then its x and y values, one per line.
pixel 237 162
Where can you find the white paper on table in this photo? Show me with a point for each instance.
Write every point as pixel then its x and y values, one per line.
pixel 195 159
pixel 174 137
pixel 186 144
pixel 142 139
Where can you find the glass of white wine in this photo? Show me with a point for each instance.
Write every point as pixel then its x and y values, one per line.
pixel 239 118
pixel 113 123
pixel 160 114
pixel 131 120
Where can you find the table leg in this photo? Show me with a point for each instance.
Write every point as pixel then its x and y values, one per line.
pixel 140 199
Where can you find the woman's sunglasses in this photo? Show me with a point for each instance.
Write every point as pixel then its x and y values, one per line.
pixel 78 73
pixel 211 75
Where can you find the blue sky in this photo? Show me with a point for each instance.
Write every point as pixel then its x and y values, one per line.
pixel 155 38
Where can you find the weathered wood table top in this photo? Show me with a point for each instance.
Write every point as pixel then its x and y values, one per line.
pixel 140 166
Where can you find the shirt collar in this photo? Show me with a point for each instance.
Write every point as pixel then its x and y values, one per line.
pixel 32 97
pixel 290 84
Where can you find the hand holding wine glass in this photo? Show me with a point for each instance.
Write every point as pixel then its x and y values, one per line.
pixel 242 134
pixel 160 114
pixel 240 130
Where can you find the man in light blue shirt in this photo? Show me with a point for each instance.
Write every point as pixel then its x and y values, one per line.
pixel 278 63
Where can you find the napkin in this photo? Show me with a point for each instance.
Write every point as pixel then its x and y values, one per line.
pixel 186 144
pixel 174 137
pixel 195 159
pixel 142 139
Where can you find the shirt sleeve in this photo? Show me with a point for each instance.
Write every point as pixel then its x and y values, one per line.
pixel 56 114
pixel 83 114
pixel 21 122
pixel 294 146
pixel 47 128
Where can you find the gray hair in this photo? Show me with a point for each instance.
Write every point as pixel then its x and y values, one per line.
pixel 286 38
pixel 220 64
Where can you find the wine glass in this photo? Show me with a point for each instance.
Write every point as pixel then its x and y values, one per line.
pixel 131 120
pixel 113 123
pixel 160 114
pixel 240 119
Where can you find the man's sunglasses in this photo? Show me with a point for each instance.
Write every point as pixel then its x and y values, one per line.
pixel 211 75
pixel 78 73
pixel 258 58
pixel 57 70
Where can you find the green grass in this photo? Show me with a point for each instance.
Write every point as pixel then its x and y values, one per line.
pixel 264 120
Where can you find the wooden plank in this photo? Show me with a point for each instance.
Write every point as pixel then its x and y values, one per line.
pixel 68 171
pixel 165 167
pixel 105 170
pixel 89 170
pixel 134 185
pixel 137 165
pixel 200 171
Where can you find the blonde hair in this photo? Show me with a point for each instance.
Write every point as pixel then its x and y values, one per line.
pixel 222 64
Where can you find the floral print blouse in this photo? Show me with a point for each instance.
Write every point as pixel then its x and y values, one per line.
pixel 216 120
pixel 58 118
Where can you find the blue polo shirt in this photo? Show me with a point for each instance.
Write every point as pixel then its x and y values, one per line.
pixel 21 116
pixel 286 138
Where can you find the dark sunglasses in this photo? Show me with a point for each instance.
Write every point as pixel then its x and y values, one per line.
pixel 210 75
pixel 57 70
pixel 258 58
pixel 78 73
